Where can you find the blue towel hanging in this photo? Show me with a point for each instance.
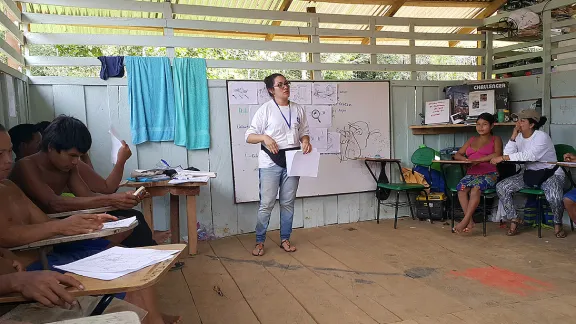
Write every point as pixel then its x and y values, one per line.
pixel 192 103
pixel 151 98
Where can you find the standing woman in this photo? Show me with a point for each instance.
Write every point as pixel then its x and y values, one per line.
pixel 278 126
pixel 535 147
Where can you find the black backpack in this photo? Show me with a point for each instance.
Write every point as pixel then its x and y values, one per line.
pixel 382 193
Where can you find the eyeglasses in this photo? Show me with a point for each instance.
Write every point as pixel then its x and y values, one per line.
pixel 281 85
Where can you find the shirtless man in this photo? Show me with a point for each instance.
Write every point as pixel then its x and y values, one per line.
pixel 26 140
pixel 44 176
pixel 94 181
pixel 26 137
pixel 21 222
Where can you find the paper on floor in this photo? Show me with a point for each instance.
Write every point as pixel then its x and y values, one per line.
pixel 116 262
pixel 119 223
pixel 302 165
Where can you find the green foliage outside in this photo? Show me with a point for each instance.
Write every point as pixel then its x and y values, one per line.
pixel 250 55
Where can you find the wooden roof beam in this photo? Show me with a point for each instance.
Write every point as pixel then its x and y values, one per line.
pixel 416 3
pixel 487 12
pixel 284 6
pixel 389 13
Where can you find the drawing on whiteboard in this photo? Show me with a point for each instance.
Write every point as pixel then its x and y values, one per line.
pixel 325 93
pixel 354 138
pixel 263 95
pixel 301 93
pixel 333 144
pixel 243 93
pixel 319 138
pixel 240 94
pixel 319 116
pixel 316 115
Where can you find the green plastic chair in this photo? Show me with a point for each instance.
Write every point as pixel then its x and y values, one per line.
pixel 423 156
pixel 561 149
pixel 452 176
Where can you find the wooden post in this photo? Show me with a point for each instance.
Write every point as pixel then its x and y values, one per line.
pixel 170 51
pixel 175 218
pixel 13 41
pixel 546 66
pixel 412 43
pixel 192 220
pixel 373 56
pixel 489 58
pixel 314 39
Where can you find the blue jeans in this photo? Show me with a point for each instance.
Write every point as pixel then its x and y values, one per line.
pixel 272 179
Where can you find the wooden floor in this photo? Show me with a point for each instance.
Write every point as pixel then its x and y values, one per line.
pixel 370 273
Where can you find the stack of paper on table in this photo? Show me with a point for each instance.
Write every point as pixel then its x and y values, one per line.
pixel 191 173
pixel 120 223
pixel 116 262
pixel 185 179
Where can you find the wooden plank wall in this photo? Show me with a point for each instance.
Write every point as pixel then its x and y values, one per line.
pixel 104 105
pixel 13 97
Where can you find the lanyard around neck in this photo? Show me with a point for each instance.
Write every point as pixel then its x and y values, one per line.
pixel 289 114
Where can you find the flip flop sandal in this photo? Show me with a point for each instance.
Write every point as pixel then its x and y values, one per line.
pixel 290 247
pixel 258 250
pixel 177 266
pixel 560 234
pixel 516 229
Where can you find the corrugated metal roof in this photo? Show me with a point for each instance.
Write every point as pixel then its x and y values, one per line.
pixel 296 6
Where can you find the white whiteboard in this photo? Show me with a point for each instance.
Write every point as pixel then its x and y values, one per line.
pixel 361 116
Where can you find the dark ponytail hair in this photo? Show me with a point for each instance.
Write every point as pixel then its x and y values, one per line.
pixel 487 117
pixel 269 82
pixel 537 125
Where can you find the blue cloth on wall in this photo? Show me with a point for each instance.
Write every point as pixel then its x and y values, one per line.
pixel 151 98
pixel 112 67
pixel 192 103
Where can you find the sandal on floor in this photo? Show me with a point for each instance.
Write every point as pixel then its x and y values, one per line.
pixel 514 231
pixel 560 234
pixel 258 249
pixel 177 266
pixel 286 246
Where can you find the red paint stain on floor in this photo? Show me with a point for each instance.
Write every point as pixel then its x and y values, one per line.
pixel 506 280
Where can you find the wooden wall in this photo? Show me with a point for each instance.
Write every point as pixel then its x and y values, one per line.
pixel 101 104
pixel 13 100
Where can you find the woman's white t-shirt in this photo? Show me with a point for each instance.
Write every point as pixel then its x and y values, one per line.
pixel 271 120
pixel 538 147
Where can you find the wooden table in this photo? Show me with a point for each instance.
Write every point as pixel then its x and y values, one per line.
pixel 382 162
pixel 138 280
pixel 565 164
pixel 161 188
pixel 101 210
pixel 44 245
pixel 114 318
pixel 452 162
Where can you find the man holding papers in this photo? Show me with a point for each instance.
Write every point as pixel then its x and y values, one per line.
pixel 278 126
pixel 44 176
pixel 22 222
